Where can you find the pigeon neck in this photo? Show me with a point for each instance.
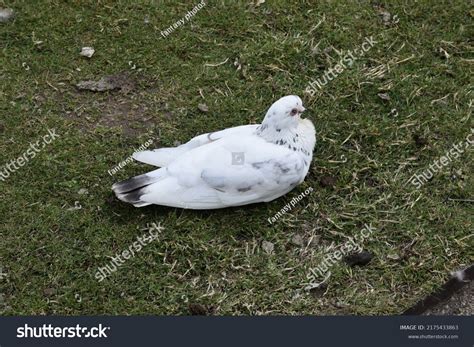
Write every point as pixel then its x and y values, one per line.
pixel 273 134
pixel 300 139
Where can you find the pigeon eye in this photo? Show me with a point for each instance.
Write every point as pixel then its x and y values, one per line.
pixel 294 112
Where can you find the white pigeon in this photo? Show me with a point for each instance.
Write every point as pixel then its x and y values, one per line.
pixel 232 167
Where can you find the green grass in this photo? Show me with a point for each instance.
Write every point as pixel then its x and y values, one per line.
pixel 215 258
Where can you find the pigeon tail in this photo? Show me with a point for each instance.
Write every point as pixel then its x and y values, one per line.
pixel 133 197
pixel 133 188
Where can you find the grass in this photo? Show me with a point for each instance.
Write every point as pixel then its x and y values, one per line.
pixel 237 58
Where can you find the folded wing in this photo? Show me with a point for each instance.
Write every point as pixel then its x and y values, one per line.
pixel 164 156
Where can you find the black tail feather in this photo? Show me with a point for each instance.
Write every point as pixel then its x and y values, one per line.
pixel 134 188
pixel 132 184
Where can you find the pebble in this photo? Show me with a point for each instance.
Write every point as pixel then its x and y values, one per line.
pixel 6 14
pixel 268 247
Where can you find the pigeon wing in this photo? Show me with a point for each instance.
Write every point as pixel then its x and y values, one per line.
pixel 236 171
pixel 165 156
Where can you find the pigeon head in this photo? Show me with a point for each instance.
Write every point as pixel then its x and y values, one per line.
pixel 284 113
pixel 282 119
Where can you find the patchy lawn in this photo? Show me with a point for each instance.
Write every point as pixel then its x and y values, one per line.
pixel 396 110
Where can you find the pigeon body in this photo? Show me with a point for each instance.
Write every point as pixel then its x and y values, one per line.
pixel 232 167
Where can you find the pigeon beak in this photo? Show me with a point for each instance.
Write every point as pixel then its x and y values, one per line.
pixel 301 110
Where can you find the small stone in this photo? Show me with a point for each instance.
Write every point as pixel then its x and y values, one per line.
pixel 6 14
pixel 297 240
pixel 203 108
pixel 268 247
pixel 87 52
pixel 358 259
